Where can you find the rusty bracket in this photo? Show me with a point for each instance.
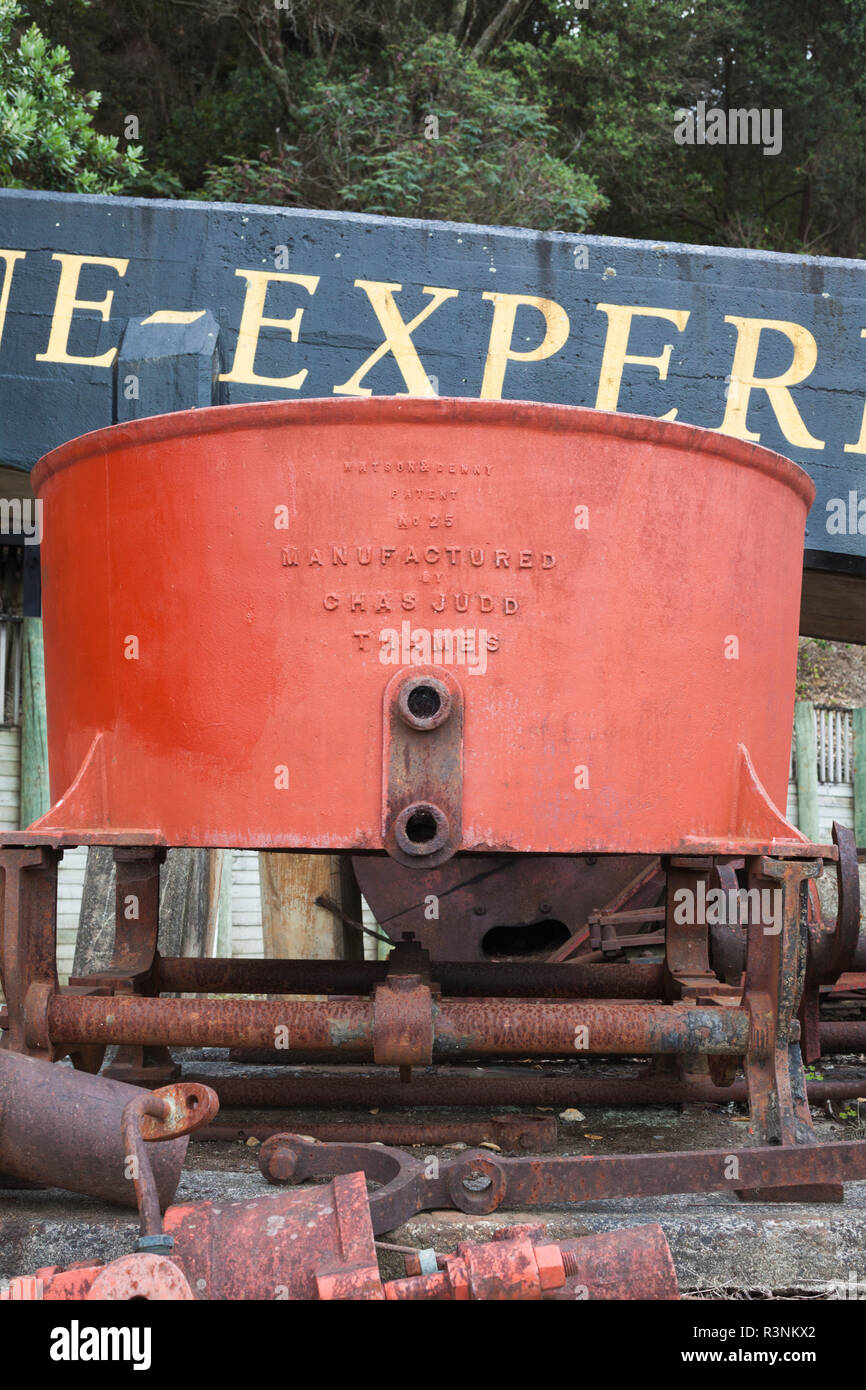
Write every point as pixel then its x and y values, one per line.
pixel 775 974
pixel 28 969
pixel 422 786
pixel 168 1113
pixel 687 961
pixel 403 1023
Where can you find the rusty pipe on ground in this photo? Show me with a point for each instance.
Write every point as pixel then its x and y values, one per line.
pixel 62 1128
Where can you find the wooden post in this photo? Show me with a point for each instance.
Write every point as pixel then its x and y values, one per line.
pixel 292 925
pixel 94 940
pixel 859 717
pixel 218 926
pixel 35 798
pixel 807 769
pixel 185 908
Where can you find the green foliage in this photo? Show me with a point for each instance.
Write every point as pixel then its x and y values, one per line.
pixel 47 138
pixel 550 114
pixel 244 114
pixel 441 137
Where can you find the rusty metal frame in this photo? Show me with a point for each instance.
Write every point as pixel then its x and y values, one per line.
pixel 406 1019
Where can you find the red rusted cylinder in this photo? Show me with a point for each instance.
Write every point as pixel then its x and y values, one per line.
pixel 627 1264
pixel 620 1264
pixel 61 1127
pixel 306 1243
pixel 473 1027
pixel 294 568
pixel 215 975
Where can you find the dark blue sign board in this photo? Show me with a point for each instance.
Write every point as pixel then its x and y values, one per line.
pixel 116 307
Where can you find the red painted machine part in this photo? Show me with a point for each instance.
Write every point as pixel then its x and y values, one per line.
pixel 209 578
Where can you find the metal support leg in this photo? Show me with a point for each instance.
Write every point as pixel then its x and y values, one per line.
pixel 775 974
pixel 28 946
pixel 133 966
pixel 136 937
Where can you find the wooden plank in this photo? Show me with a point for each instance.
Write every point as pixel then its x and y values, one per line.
pixel 218 926
pixel 833 606
pixel 183 907
pixel 292 925
pixel 807 769
pixel 35 798
pixel 95 938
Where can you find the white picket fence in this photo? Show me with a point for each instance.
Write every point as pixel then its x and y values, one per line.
pixel 834 736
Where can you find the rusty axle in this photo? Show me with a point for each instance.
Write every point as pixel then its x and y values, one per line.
pixel 524 1027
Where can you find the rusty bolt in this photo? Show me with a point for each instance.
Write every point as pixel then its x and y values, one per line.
pixel 551 1271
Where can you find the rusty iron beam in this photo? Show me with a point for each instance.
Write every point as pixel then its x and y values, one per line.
pixel 215 975
pixel 843 1037
pixel 534 1027
pixel 515 1133
pixel 443 1086
pixel 480 1182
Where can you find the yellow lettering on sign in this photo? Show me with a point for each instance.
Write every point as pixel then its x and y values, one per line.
pixel 616 353
pixel 253 320
pixel 9 259
pixel 499 350
pixel 858 448
pixel 398 338
pixel 67 302
pixel 744 381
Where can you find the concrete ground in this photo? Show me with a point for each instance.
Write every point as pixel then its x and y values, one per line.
pixel 721 1247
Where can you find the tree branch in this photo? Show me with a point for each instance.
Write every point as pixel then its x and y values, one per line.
pixel 507 17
